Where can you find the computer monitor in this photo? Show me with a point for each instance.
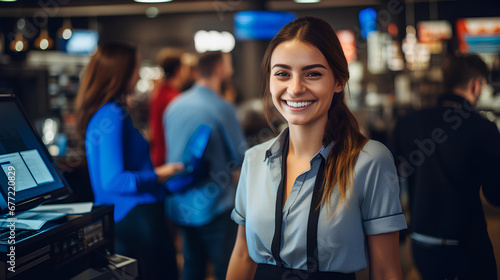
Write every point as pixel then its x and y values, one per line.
pixel 29 175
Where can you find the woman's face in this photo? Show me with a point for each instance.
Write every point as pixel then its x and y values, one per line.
pixel 301 83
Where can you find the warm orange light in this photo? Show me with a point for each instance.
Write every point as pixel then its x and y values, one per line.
pixel 66 30
pixel 18 44
pixel 43 41
pixel 392 29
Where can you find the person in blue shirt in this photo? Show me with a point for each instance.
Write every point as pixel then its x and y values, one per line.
pixel 320 201
pixel 120 168
pixel 202 212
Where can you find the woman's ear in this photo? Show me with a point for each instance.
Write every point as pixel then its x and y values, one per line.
pixel 338 87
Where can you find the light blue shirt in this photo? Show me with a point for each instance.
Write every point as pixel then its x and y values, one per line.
pixel 211 197
pixel 372 206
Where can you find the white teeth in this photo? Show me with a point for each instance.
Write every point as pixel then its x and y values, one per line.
pixel 298 104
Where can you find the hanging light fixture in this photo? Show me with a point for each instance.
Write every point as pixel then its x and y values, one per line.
pixel 43 41
pixel 66 30
pixel 18 44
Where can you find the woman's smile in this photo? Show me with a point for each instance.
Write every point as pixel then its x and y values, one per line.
pixel 298 105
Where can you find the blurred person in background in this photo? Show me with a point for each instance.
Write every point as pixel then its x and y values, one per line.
pixel 318 201
pixel 120 168
pixel 203 211
pixel 446 154
pixel 190 60
pixel 229 92
pixel 174 77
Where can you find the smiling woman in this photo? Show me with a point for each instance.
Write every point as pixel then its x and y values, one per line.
pixel 302 89
pixel 336 209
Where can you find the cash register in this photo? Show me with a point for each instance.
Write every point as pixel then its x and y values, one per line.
pixel 63 243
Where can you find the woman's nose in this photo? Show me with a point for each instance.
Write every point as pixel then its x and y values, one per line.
pixel 296 86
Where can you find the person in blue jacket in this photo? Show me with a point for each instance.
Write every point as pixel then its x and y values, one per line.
pixel 120 167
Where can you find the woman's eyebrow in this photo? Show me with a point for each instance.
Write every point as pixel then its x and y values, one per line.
pixel 312 66
pixel 303 68
pixel 281 66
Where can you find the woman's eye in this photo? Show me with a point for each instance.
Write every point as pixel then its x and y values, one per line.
pixel 281 75
pixel 314 74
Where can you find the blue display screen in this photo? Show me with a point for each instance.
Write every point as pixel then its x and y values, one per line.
pixel 80 42
pixel 260 25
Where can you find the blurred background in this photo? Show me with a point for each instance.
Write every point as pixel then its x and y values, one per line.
pixel 394 49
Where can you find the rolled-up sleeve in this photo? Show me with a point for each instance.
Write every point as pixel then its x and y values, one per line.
pixel 239 212
pixel 381 207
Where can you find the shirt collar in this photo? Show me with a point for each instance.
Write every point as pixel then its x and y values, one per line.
pixel 276 148
pixel 199 88
pixel 277 145
pixel 454 98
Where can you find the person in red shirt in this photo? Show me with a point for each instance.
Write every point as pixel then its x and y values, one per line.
pixel 165 91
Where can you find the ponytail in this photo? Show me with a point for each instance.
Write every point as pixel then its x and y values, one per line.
pixel 342 129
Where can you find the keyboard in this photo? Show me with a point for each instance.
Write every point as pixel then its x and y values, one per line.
pixel 21 234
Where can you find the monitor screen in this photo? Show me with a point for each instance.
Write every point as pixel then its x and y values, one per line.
pixel 28 175
pixel 82 42
pixel 260 25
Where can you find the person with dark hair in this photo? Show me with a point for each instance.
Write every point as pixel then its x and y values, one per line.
pixel 202 212
pixel 120 169
pixel 174 77
pixel 319 201
pixel 446 154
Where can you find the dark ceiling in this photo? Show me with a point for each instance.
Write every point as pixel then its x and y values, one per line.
pixel 64 8
pixel 83 8
pixel 73 3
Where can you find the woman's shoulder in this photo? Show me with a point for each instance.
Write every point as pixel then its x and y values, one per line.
pixel 111 110
pixel 374 151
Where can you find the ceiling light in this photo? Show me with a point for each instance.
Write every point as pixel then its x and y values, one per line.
pixel 66 30
pixel 8 0
pixel 21 23
pixel 152 1
pixel 152 12
pixel 213 41
pixel 307 1
pixel 18 44
pixel 44 42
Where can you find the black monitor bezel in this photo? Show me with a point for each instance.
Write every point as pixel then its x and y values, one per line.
pixel 60 193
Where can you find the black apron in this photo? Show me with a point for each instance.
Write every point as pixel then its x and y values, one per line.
pixel 278 271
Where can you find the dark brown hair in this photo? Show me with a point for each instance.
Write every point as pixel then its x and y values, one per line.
pixel 341 127
pixel 107 76
pixel 171 66
pixel 207 63
pixel 460 69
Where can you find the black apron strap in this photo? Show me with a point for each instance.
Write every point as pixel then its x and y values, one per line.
pixel 278 218
pixel 278 271
pixel 312 221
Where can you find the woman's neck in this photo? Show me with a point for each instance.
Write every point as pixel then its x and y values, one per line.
pixel 305 141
